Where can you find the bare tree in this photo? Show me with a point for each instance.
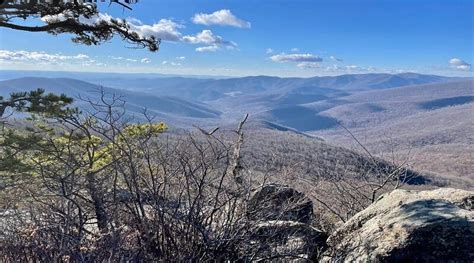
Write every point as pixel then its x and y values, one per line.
pixel 343 194
pixel 101 188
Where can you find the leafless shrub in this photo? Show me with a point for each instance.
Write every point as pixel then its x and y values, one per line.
pixel 99 188
pixel 341 182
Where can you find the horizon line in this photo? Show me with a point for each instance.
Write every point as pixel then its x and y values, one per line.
pixel 203 76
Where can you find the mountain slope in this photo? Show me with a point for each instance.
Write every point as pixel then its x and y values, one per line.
pixel 299 103
pixel 213 89
pixel 434 120
pixel 135 102
pixel 432 123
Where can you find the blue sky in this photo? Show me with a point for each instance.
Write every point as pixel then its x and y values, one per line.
pixel 280 38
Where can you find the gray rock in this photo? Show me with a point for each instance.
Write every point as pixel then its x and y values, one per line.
pixel 280 202
pixel 285 241
pixel 279 220
pixel 409 226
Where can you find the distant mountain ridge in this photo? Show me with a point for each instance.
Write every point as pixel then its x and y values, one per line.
pixel 432 113
pixel 213 89
pixel 136 102
pixel 291 102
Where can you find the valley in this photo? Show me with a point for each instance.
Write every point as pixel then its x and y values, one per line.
pixel 428 119
pixel 230 131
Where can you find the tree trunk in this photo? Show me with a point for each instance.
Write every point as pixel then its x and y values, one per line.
pixel 99 207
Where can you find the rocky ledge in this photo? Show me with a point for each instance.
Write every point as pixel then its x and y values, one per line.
pixel 409 226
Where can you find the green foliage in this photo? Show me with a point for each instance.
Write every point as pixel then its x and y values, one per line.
pixel 14 145
pixel 43 145
pixel 36 101
pixel 139 130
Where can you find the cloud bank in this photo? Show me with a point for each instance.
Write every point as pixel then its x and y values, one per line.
pixel 212 48
pixel 222 17
pixel 296 58
pixel 333 58
pixel 168 30
pixel 308 65
pixel 459 64
pixel 39 56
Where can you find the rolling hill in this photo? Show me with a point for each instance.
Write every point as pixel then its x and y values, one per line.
pixel 429 118
pixel 432 123
pixel 214 89
pixel 163 107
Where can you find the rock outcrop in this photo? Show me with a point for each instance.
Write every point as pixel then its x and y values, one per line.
pixel 280 218
pixel 280 202
pixel 409 226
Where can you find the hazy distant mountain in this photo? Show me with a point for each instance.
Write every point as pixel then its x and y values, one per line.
pixel 136 102
pixel 299 103
pixel 292 102
pixel 373 107
pixel 214 89
pixel 94 76
pixel 433 114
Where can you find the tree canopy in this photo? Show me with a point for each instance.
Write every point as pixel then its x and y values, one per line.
pixel 36 101
pixel 81 19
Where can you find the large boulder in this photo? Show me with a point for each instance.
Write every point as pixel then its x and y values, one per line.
pixel 285 241
pixel 409 226
pixel 279 220
pixel 280 202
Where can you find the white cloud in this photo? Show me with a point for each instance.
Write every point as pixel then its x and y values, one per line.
pixel 165 29
pixel 181 58
pixel 56 18
pixel 116 58
pixel 207 37
pixel 80 56
pixel 308 65
pixel 134 20
pixel 40 56
pixel 145 60
pixel 296 58
pixel 269 51
pixel 352 69
pixel 222 17
pixel 295 49
pixel 459 64
pixel 212 42
pixel 165 62
pixel 212 48
pixel 464 67
pixel 333 58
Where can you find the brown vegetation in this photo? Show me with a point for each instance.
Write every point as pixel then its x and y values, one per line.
pixel 92 186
